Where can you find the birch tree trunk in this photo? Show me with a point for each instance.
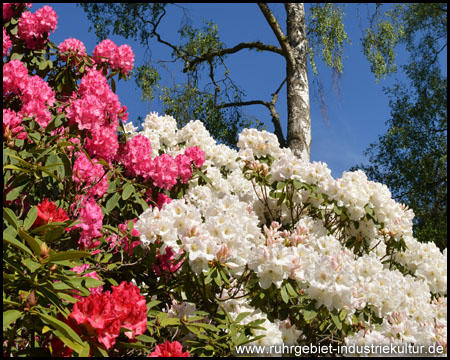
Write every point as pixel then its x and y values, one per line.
pixel 299 117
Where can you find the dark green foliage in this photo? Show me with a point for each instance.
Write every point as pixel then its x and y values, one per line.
pixel 411 158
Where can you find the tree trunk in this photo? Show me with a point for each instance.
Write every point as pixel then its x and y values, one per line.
pixel 299 117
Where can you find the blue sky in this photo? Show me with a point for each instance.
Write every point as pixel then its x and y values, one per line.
pixel 356 117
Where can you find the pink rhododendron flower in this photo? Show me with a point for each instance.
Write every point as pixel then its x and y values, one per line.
pixel 136 156
pixel 48 213
pixel 91 217
pixel 35 94
pixel 118 58
pixel 184 167
pixel 75 49
pixel 36 97
pixel 12 127
pixel 164 172
pixel 104 144
pixel 11 9
pixel 97 106
pixel 124 59
pixel 34 28
pixel 7 43
pixel 168 349
pixel 162 199
pixel 105 52
pixel 90 176
pixel 196 155
pixel 97 110
pixel 15 76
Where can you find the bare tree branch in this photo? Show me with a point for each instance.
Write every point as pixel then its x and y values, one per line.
pixel 273 112
pixel 247 45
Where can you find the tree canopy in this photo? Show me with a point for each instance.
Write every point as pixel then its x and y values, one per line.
pixel 411 158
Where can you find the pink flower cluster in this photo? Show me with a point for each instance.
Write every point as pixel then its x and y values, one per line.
pixel 73 48
pixel 168 349
pixel 136 156
pixel 91 217
pixel 164 170
pixel 12 127
pixel 34 93
pixel 90 176
pixel 34 28
pixel 118 58
pixel 97 110
pixel 7 43
pixel 104 314
pixel 10 9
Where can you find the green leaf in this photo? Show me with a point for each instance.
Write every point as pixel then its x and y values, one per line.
pixel 14 193
pixel 145 338
pixel 309 314
pixel 65 329
pixel 31 217
pixel 9 215
pixel 32 265
pixel 112 202
pixel 170 321
pixel 127 191
pixel 336 321
pixel 34 244
pixel 16 243
pixel 68 255
pixel 14 167
pixel 291 291
pixel 9 317
pixel 54 234
pixel 66 297
pixel 241 316
pixel 284 294
pixel 16 56
pixel 280 185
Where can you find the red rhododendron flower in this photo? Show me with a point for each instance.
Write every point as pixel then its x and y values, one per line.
pixel 104 314
pixel 48 212
pixel 169 349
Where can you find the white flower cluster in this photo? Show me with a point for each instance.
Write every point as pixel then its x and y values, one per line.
pixel 426 262
pixel 228 234
pixel 160 130
pixel 225 221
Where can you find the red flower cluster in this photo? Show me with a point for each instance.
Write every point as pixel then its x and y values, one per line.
pixel 169 349
pixel 104 314
pixel 48 212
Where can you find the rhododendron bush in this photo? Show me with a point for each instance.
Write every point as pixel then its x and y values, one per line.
pixel 161 242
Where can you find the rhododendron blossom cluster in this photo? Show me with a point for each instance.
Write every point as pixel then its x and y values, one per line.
pixel 7 43
pixel 48 212
pixel 34 93
pixel 104 314
pixel 72 48
pixel 34 28
pixel 118 58
pixel 169 349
